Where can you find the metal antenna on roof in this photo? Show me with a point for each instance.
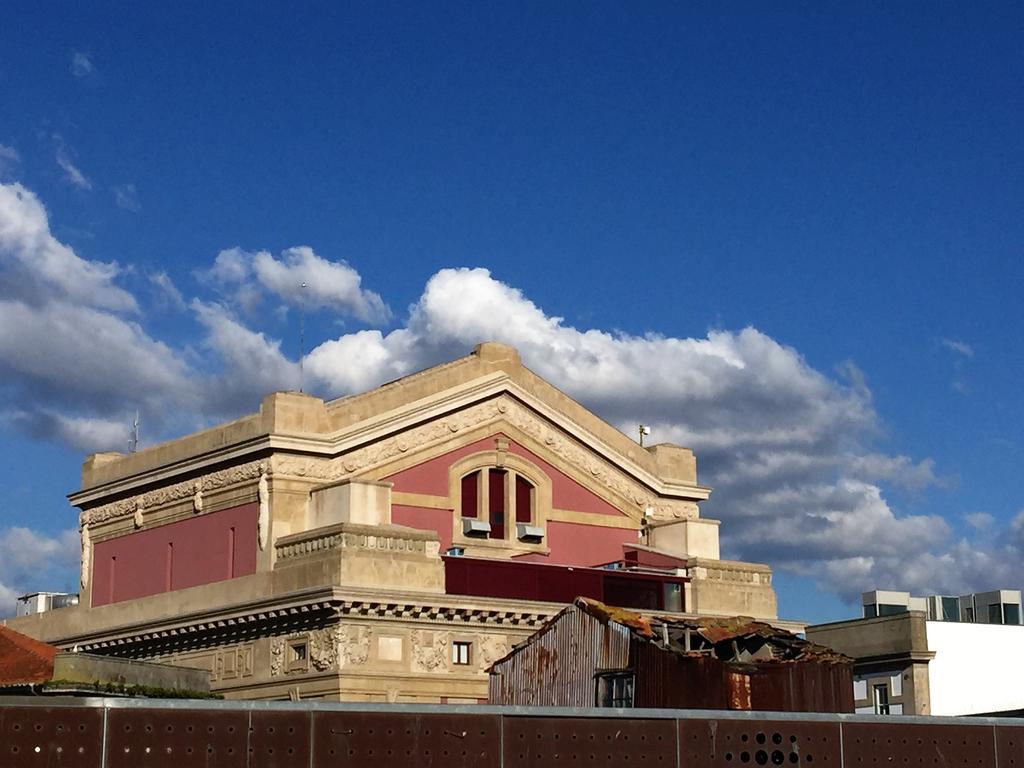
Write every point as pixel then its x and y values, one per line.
pixel 133 441
pixel 644 430
pixel 302 334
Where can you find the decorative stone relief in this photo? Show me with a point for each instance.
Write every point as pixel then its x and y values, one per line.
pixel 277 656
pixel 323 648
pixel 429 651
pixel 263 521
pixel 86 555
pixel 139 518
pixel 491 648
pixel 197 498
pixel 353 645
pixel 171 493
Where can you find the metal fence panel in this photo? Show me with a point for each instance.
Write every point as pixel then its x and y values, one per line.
pixel 918 744
pixel 177 738
pixel 739 743
pixel 50 736
pixel 537 742
pixel 404 740
pixel 279 739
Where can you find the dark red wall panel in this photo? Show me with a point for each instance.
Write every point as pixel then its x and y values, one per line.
pixel 200 550
pixel 431 477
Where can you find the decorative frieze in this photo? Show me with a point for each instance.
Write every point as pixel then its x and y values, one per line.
pixel 330 648
pixel 429 650
pixel 169 494
pixel 500 409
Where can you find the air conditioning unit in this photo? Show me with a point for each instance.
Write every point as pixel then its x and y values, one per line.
pixel 530 533
pixel 473 527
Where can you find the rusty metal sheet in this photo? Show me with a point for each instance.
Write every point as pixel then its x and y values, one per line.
pixel 279 739
pixel 51 736
pixel 915 744
pixel 401 740
pixel 539 742
pixel 177 738
pixel 739 743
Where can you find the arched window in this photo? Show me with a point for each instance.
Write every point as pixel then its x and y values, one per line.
pixel 499 503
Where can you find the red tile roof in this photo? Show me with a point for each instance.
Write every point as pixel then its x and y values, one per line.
pixel 24 660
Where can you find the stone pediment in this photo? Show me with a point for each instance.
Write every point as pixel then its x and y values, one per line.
pixel 420 415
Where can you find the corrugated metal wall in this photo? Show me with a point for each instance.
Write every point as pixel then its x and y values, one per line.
pixel 557 668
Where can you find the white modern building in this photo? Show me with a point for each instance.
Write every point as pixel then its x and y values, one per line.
pixel 935 655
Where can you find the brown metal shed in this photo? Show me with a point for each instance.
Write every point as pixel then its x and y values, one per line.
pixel 591 654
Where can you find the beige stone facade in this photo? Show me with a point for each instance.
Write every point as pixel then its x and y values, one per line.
pixel 310 549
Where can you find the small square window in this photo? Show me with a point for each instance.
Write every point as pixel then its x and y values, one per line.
pixel 298 656
pixel 461 652
pixel 614 689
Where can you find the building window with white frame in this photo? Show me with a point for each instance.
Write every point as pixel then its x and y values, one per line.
pixel 499 503
pixel 462 652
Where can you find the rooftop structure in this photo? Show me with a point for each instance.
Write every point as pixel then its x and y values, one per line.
pixel 592 654
pixel 1001 606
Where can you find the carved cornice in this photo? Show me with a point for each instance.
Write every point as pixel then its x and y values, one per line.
pixel 263 622
pixel 169 494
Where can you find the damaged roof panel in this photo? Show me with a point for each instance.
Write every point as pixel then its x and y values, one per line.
pixel 737 639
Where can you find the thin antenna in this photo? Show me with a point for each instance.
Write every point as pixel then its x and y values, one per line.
pixel 644 430
pixel 302 336
pixel 133 441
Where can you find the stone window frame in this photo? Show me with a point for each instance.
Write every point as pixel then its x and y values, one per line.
pixel 468 645
pixel 294 663
pixel 515 465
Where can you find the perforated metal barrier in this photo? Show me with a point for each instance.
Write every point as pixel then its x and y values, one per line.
pixel 120 733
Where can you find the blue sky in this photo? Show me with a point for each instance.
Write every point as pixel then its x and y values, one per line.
pixel 787 236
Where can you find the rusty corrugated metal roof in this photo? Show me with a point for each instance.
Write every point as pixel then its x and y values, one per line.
pixel 738 639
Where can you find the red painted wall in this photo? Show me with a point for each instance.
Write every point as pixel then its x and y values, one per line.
pixel 431 477
pixel 200 550
pixel 575 544
pixel 425 519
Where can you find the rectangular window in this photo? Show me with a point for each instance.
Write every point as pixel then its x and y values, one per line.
pixel 995 613
pixel 1011 613
pixel 950 609
pixel 614 689
pixel 461 652
pixel 298 656
pixel 524 500
pixel 470 492
pixel 870 611
pixel 881 699
pixel 496 502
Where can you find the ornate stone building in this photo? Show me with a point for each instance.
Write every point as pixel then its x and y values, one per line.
pixel 387 546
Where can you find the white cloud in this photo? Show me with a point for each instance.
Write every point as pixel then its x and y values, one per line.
pixel 71 171
pixel 300 278
pixel 980 521
pixel 33 561
pixel 304 279
pixel 167 291
pixel 253 365
pixel 126 197
pixel 34 263
pixel 81 64
pixel 8 157
pixel 961 348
